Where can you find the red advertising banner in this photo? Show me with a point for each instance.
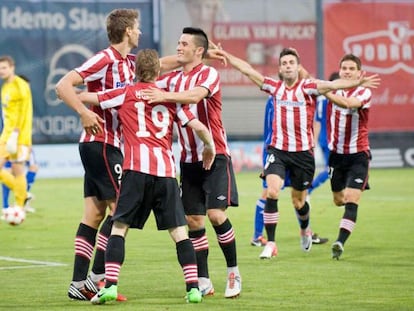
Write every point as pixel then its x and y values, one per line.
pixel 382 35
pixel 260 45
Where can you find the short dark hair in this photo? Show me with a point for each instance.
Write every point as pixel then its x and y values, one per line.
pixel 147 65
pixel 289 51
pixel 200 37
pixel 353 58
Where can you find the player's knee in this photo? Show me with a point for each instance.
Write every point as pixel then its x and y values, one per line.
pixel 216 216
pixel 195 222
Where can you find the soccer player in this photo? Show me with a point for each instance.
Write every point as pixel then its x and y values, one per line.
pixel 31 172
pixel 349 144
pixel 100 144
pixel 148 182
pixel 203 192
pixel 292 142
pixel 258 239
pixel 16 135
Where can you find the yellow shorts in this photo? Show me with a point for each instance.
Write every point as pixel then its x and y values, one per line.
pixel 22 155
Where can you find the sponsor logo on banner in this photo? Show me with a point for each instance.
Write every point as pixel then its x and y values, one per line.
pixel 385 44
pixel 384 51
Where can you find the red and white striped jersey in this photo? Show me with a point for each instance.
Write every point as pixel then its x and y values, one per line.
pixel 348 128
pixel 103 71
pixel 147 129
pixel 292 128
pixel 208 110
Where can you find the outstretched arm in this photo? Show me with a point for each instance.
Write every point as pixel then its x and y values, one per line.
pixel 370 81
pixel 244 67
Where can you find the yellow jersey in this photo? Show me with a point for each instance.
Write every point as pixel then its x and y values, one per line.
pixel 17 110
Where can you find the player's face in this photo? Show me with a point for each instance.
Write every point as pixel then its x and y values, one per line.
pixel 134 34
pixel 289 67
pixel 349 70
pixel 6 70
pixel 186 49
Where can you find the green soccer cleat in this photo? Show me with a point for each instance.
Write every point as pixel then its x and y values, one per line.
pixel 105 294
pixel 194 296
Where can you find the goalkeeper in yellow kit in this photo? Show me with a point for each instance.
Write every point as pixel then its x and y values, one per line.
pixel 16 136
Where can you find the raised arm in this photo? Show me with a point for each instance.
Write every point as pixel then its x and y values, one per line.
pixel 169 63
pixel 209 151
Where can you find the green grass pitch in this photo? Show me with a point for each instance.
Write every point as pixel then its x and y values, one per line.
pixel 376 271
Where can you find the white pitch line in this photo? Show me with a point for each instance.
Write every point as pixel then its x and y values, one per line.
pixel 34 263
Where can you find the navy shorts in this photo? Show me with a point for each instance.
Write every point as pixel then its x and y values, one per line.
pixel 202 190
pixel 300 165
pixel 142 193
pixel 103 170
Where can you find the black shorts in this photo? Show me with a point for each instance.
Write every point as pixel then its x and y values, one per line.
pixel 202 190
pixel 349 170
pixel 300 165
pixel 141 193
pixel 103 170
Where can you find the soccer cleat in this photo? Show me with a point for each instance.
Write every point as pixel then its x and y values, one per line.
pixel 92 286
pixel 233 287
pixel 26 206
pixel 105 294
pixel 260 241
pixel 337 250
pixel 96 286
pixel 79 294
pixel 194 296
pixel 269 251
pixel 306 239
pixel 316 239
pixel 206 286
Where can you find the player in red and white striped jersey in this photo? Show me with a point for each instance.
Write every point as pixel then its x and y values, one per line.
pixel 292 142
pixel 99 145
pixel 348 141
pixel 203 192
pixel 148 182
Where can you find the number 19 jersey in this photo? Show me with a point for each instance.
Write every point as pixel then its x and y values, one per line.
pixel 147 129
